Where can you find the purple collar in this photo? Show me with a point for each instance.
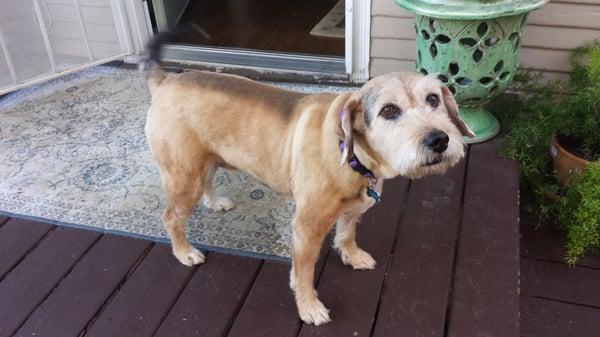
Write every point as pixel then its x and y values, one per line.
pixel 357 166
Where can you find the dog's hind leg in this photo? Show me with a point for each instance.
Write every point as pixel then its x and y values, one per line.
pixel 183 189
pixel 345 243
pixel 211 199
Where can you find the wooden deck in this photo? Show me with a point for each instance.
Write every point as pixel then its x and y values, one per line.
pixel 556 300
pixel 448 265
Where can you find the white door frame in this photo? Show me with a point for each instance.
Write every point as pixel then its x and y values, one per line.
pixel 358 39
pixel 357 47
pixel 138 27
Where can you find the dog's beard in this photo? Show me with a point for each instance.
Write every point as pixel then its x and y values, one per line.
pixel 439 165
pixel 426 162
pixel 434 159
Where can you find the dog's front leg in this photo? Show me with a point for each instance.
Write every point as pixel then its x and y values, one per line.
pixel 309 231
pixel 345 243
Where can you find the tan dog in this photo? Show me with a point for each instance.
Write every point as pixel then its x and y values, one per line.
pixel 398 124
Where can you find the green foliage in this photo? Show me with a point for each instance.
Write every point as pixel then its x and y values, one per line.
pixel 579 212
pixel 530 117
pixel 528 120
pixel 588 53
pixel 580 116
pixel 580 112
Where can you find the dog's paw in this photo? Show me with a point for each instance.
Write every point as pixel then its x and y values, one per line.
pixel 314 312
pixel 221 204
pixel 358 259
pixel 189 257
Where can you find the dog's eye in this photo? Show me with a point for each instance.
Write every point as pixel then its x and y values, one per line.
pixel 390 111
pixel 433 100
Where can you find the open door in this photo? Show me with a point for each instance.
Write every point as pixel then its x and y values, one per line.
pixel 168 13
pixel 43 39
pixel 309 39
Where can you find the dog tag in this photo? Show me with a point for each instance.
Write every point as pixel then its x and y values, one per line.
pixel 373 194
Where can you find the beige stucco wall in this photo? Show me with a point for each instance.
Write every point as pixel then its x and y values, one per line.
pixel 549 35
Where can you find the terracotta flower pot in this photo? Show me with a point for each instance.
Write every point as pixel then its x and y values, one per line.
pixel 565 163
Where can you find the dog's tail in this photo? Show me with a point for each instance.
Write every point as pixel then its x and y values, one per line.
pixel 149 64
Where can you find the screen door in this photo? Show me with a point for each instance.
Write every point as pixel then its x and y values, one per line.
pixel 43 39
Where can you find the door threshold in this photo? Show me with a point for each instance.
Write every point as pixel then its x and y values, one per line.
pixel 270 64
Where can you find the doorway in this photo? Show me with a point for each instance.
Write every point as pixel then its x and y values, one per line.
pixel 293 26
pixel 297 35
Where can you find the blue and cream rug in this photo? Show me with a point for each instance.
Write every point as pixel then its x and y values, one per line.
pixel 73 152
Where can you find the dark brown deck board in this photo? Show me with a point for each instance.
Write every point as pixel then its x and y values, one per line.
pixel 213 297
pixel 352 296
pixel 3 219
pixel 485 299
pixel 416 292
pixel 35 277
pixel 528 217
pixel 145 298
pixel 553 280
pixel 269 309
pixel 85 289
pixel 548 243
pixel 17 237
pixel 546 318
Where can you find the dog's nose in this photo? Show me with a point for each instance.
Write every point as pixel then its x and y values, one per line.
pixel 437 141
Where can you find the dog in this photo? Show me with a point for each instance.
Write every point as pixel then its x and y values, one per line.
pixel 330 152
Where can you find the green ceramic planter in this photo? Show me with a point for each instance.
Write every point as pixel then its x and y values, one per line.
pixel 473 46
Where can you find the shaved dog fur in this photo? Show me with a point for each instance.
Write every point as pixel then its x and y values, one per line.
pixel 301 145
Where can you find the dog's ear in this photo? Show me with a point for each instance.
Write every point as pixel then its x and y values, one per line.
pixel 452 109
pixel 349 119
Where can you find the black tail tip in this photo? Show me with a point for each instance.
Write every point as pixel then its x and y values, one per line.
pixel 154 47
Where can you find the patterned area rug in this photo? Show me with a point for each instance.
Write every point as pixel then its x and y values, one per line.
pixel 73 152
pixel 333 24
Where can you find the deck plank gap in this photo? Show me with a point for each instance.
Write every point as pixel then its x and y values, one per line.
pixel 456 245
pixel 32 248
pixel 116 290
pixel 245 296
pixel 388 265
pixel 183 287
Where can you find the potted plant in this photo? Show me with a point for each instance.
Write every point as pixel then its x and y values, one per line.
pixel 568 118
pixel 576 141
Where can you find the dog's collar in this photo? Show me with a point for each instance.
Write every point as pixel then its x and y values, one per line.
pixel 357 166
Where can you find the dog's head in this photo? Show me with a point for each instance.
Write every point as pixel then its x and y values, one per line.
pixel 410 121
